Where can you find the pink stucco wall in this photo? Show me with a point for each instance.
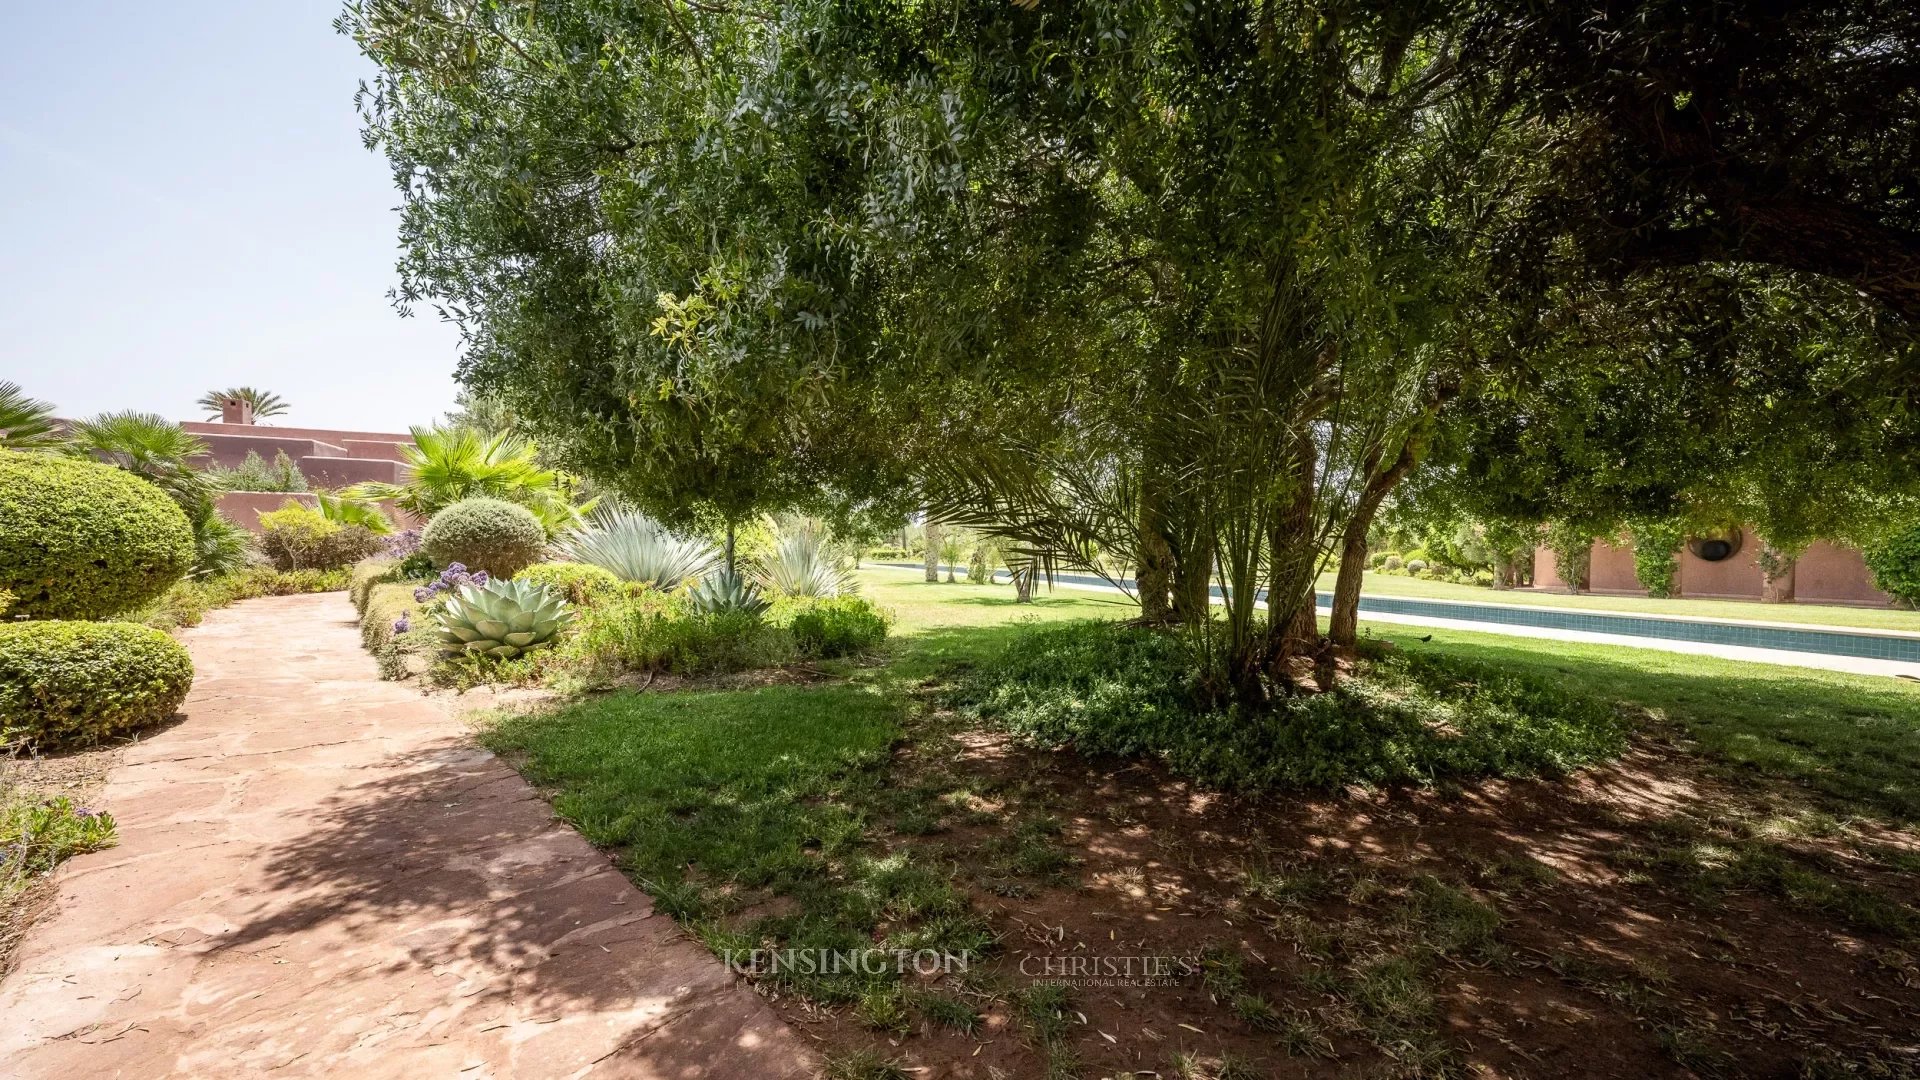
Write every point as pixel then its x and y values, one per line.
pixel 338 472
pixel 328 459
pixel 1834 574
pixel 1827 574
pixel 244 508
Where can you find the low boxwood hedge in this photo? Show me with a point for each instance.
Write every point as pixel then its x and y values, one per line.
pixel 66 684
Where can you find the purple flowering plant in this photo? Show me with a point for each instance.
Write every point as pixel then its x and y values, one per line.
pixel 450 579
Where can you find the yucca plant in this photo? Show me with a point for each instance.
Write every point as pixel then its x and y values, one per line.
pixel 799 565
pixel 634 547
pixel 502 619
pixel 724 591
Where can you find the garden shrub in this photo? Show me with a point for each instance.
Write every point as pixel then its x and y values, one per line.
pixel 82 540
pixel 1895 563
pixel 188 601
pixel 1391 563
pixel 393 628
pixel 499 537
pixel 297 537
pixel 837 626
pixel 1572 547
pixel 1109 689
pixel 582 584
pixel 37 836
pixel 654 631
pixel 1483 578
pixel 366 574
pixel 1415 566
pixel 66 684
pixel 1656 556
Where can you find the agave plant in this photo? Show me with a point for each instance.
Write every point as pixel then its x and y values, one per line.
pixel 723 591
pixel 634 547
pixel 502 619
pixel 799 565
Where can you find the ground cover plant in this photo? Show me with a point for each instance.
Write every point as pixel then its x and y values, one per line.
pixel 1613 923
pixel 1106 689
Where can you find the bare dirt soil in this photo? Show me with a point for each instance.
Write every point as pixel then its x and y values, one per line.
pixel 1645 919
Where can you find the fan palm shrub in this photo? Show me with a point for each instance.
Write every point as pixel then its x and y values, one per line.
pixel 800 565
pixel 26 423
pixel 445 465
pixel 345 511
pixel 147 445
pixel 634 547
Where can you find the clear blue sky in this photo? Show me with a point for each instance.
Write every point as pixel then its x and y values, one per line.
pixel 185 204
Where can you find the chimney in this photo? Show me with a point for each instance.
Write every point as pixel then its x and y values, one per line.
pixel 236 410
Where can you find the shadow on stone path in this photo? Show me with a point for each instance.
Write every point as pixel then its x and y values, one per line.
pixel 319 873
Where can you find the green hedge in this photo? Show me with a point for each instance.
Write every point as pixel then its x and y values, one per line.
pixel 82 540
pixel 837 626
pixel 366 575
pixel 499 537
pixel 188 601
pixel 583 584
pixel 1895 563
pixel 68 684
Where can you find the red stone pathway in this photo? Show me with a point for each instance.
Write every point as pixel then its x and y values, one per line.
pixel 319 874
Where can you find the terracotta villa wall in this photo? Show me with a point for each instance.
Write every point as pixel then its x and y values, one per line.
pixel 1826 574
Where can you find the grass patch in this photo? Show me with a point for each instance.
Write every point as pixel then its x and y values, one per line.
pixel 1854 739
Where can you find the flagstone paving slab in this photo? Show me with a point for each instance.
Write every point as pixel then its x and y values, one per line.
pixel 319 873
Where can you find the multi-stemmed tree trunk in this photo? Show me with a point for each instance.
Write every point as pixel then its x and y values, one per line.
pixel 1344 625
pixel 1153 578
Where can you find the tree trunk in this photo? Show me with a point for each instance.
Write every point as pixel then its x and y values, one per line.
pixel 933 551
pixel 1776 574
pixel 1344 626
pixel 1153 579
pixel 1023 585
pixel 1193 583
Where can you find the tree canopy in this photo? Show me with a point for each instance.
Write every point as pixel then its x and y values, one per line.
pixel 1196 285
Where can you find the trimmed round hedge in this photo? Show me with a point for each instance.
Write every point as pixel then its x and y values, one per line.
pixel 499 537
pixel 82 540
pixel 77 683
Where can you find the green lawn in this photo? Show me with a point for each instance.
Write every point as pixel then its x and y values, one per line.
pixel 817 815
pixel 1807 614
pixel 1867 618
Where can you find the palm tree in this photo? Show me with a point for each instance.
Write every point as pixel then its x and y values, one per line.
pixel 26 423
pixel 445 465
pixel 265 403
pixel 149 446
